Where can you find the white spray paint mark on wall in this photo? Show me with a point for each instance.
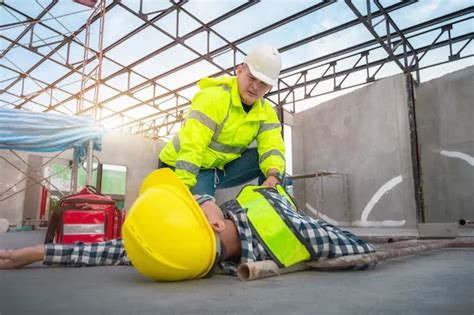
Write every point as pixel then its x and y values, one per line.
pixel 463 156
pixel 376 197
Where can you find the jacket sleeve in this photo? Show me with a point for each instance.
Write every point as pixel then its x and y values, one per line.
pixel 270 146
pixel 196 134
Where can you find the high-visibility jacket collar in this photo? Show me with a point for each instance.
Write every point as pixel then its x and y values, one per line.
pixel 256 113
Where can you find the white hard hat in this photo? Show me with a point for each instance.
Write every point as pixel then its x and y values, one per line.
pixel 264 63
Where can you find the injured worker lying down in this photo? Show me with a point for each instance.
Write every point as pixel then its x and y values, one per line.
pixel 171 235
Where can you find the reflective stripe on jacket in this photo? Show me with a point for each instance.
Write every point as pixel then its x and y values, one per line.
pixel 217 130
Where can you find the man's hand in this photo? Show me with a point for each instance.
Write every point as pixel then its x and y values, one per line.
pixel 271 181
pixel 13 259
pixel 273 178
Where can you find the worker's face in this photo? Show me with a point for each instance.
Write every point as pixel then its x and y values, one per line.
pixel 250 88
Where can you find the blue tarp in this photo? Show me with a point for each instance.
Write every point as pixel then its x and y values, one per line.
pixel 47 132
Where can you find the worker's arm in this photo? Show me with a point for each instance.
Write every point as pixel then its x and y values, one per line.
pixel 13 259
pixel 270 146
pixel 196 134
pixel 79 254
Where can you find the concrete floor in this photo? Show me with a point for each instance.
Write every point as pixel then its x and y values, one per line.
pixel 436 282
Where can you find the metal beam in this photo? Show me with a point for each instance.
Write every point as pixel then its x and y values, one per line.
pixel 346 72
pixel 365 22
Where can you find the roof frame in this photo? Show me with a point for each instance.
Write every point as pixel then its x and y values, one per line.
pixel 156 109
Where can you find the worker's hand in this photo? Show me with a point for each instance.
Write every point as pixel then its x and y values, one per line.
pixel 271 181
pixel 12 259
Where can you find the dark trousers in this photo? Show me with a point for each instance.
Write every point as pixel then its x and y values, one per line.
pixel 235 173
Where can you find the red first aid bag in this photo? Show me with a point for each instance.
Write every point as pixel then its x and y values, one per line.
pixel 85 217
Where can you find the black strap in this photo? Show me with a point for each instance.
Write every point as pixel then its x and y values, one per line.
pixel 289 195
pixel 90 188
pixel 54 225
pixel 93 189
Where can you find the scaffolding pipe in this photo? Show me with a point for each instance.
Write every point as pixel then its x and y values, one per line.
pixel 466 222
pixel 268 268
pixel 90 149
pixel 402 244
pixel 74 176
pixel 386 239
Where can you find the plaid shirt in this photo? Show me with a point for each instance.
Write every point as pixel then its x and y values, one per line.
pixel 326 240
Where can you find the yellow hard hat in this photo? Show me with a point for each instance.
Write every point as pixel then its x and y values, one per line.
pixel 166 234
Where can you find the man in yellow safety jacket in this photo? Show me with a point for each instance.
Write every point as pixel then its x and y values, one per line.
pixel 211 150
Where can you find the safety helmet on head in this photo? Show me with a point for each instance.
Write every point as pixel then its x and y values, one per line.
pixel 166 234
pixel 264 63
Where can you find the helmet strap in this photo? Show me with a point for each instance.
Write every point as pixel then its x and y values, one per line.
pixel 220 254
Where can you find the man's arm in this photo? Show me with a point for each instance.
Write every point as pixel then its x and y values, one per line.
pixel 196 134
pixel 79 254
pixel 13 259
pixel 271 148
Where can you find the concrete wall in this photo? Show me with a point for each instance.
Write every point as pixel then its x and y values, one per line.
pixel 445 124
pixel 138 154
pixel 364 134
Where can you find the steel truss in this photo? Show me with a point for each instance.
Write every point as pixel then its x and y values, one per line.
pixel 77 91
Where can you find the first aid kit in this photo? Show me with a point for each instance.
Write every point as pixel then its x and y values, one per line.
pixel 85 217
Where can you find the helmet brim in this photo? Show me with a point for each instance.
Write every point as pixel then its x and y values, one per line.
pixel 261 76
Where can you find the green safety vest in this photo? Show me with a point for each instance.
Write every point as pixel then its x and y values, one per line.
pixel 286 246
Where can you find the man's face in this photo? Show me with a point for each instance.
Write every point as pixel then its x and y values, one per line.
pixel 250 88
